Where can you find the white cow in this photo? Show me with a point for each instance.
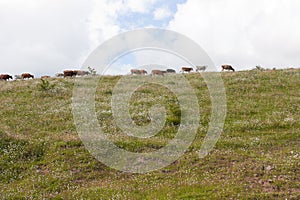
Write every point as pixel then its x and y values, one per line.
pixel 201 68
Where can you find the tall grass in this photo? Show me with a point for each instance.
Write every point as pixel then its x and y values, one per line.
pixel 257 156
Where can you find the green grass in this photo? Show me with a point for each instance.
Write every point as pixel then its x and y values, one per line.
pixel 257 156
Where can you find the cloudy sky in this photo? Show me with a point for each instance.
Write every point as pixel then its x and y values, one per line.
pixel 48 36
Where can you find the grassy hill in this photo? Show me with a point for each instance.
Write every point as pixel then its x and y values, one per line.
pixel 257 156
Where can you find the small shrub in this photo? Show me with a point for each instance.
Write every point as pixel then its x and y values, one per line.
pixel 175 117
pixel 45 85
pixel 92 71
pixel 260 68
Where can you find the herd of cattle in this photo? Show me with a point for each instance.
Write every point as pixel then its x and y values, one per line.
pixel 183 70
pixel 66 73
pixel 74 73
pixel 168 71
pixel 22 76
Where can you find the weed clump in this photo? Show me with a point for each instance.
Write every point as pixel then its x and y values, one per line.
pixel 45 86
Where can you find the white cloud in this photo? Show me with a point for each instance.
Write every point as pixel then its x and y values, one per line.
pixel 140 6
pixel 103 20
pixel 244 33
pixel 42 36
pixel 162 13
pixel 46 37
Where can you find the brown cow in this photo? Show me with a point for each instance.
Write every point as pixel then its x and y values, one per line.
pixel 27 75
pixel 45 77
pixel 69 73
pixel 158 72
pixel 187 69
pixel 143 72
pixel 138 72
pixel 227 67
pixel 5 77
pixel 80 73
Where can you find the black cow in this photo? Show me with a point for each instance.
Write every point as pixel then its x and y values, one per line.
pixel 5 77
pixel 227 67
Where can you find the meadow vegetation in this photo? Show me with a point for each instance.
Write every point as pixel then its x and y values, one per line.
pixel 257 156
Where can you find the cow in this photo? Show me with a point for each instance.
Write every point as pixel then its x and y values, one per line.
pixel 69 73
pixel 80 73
pixel 201 68
pixel 18 77
pixel 158 72
pixel 5 77
pixel 45 77
pixel 171 71
pixel 187 69
pixel 59 75
pixel 138 72
pixel 27 75
pixel 135 71
pixel 143 72
pixel 227 67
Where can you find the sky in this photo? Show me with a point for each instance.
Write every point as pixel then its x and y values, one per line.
pixel 45 37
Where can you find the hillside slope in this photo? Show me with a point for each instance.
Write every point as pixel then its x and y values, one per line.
pixel 257 156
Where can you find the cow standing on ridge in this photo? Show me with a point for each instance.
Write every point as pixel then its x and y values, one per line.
pixel 27 75
pixel 201 68
pixel 227 67
pixel 18 77
pixel 138 72
pixel 59 75
pixel 5 77
pixel 158 72
pixel 45 77
pixel 187 69
pixel 171 71
pixel 69 73
pixel 81 73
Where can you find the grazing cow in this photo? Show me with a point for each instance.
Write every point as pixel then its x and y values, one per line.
pixel 158 72
pixel 59 75
pixel 135 71
pixel 45 77
pixel 143 72
pixel 171 71
pixel 27 75
pixel 5 77
pixel 18 77
pixel 69 73
pixel 227 67
pixel 187 69
pixel 80 73
pixel 138 72
pixel 201 68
